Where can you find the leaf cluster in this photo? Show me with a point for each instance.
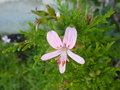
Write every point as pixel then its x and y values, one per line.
pixel 94 44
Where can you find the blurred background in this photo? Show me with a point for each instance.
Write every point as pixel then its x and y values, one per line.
pixel 16 69
pixel 15 13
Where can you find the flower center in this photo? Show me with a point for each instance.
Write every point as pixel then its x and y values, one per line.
pixel 63 57
pixel 64 49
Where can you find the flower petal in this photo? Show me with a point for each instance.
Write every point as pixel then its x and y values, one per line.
pixel 54 40
pixel 70 37
pixel 62 67
pixel 51 55
pixel 62 64
pixel 75 57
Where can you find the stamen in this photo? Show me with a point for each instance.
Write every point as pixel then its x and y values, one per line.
pixel 63 63
pixel 67 60
pixel 58 62
pixel 57 58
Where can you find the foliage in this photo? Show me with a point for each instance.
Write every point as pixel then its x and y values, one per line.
pixel 94 44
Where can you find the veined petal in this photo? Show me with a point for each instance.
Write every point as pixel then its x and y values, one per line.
pixel 54 40
pixel 70 37
pixel 62 64
pixel 62 67
pixel 51 55
pixel 75 57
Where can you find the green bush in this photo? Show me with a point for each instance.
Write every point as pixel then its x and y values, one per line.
pixel 94 43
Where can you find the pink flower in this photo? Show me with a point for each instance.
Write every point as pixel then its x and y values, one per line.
pixel 63 48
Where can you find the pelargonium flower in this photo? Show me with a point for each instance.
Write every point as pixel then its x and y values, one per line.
pixel 63 48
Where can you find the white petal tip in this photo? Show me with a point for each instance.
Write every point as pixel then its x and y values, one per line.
pixel 82 62
pixel 61 69
pixel 61 72
pixel 43 58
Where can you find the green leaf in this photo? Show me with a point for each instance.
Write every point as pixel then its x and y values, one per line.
pixel 51 11
pixel 101 19
pixel 39 13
